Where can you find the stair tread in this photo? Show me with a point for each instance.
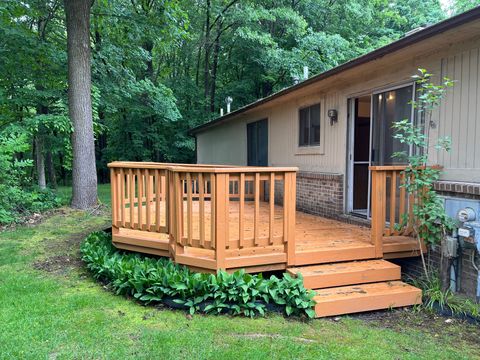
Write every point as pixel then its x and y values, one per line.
pixel 365 297
pixel 362 290
pixel 347 273
pixel 342 267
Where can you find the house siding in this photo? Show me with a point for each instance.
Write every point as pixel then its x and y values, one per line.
pixel 321 181
pixel 458 115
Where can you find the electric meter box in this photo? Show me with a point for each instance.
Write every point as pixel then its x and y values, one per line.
pixel 469 235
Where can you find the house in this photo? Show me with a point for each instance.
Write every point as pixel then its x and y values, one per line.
pixel 334 125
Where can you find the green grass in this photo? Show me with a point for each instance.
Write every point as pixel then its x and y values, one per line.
pixel 62 313
pixel 65 193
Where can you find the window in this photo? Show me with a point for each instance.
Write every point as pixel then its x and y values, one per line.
pixel 309 126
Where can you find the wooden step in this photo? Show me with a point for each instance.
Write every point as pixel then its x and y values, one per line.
pixel 141 238
pixel 365 297
pixel 346 273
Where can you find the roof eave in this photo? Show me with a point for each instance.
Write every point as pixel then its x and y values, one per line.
pixel 397 45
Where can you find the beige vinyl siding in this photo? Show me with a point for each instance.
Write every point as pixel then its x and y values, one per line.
pixel 225 144
pixel 457 117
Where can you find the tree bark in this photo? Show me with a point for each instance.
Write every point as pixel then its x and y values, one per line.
pixel 216 50
pixel 206 69
pixel 52 177
pixel 40 161
pixel 84 175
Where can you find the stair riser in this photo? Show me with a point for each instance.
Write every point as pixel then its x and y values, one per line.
pixel 368 303
pixel 361 277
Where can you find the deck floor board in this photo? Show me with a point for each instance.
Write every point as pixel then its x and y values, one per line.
pixel 314 234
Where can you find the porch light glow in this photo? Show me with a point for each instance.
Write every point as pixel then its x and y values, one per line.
pixel 391 96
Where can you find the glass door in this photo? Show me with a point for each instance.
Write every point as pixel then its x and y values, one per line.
pixel 389 107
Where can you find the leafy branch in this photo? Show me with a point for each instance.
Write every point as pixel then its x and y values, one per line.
pixel 430 220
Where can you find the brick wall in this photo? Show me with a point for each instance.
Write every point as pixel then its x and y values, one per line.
pixel 412 267
pixel 317 193
pixel 458 189
pixel 320 194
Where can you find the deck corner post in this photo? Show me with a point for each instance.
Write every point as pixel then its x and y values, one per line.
pixel 169 198
pixel 290 205
pixel 378 206
pixel 221 219
pixel 178 214
pixel 114 193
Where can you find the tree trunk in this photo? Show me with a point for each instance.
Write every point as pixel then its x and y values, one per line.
pixel 206 69
pixel 84 175
pixel 216 50
pixel 52 178
pixel 40 161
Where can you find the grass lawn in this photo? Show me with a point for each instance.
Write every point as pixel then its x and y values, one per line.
pixel 51 308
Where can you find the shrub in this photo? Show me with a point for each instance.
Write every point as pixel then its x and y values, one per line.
pixel 156 280
pixel 17 197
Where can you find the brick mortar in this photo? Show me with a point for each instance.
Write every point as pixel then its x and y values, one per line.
pixel 457 187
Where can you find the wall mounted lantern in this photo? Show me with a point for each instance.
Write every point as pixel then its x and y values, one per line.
pixel 333 115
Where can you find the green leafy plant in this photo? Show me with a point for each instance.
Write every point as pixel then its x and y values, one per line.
pixel 156 280
pixel 434 296
pixel 430 220
pixel 18 198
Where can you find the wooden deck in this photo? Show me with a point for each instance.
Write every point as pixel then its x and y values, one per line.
pixel 213 217
pixel 317 239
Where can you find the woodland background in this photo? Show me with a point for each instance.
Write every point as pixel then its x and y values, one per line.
pixel 161 67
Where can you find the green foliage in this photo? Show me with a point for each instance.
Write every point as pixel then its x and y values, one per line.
pixel 152 280
pixel 431 222
pixel 434 297
pixel 459 6
pixel 18 197
pixel 158 70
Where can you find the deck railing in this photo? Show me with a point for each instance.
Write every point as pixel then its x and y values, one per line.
pixel 392 206
pixel 216 216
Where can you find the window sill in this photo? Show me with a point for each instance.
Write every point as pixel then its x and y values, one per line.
pixel 309 150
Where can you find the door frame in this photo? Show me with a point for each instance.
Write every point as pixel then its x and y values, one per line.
pixel 351 147
pixel 351 138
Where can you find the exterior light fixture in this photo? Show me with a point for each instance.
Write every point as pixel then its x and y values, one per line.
pixel 333 115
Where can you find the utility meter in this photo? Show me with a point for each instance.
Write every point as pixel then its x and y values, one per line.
pixel 469 232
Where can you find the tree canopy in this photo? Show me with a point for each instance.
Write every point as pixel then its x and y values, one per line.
pixel 160 67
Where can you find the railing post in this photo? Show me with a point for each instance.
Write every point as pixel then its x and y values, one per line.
pixel 221 218
pixel 378 206
pixel 114 194
pixel 289 204
pixel 169 198
pixel 178 213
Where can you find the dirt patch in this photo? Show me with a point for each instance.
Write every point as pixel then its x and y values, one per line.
pixel 64 251
pixel 59 264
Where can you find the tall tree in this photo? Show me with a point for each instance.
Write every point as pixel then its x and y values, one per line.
pixel 84 175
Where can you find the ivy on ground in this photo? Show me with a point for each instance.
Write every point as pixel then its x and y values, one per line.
pixel 159 280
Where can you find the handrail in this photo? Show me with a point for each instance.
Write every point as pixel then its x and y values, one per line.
pixel 392 207
pixel 205 210
pixel 197 167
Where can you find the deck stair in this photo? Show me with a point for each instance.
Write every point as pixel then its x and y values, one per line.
pixel 357 286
